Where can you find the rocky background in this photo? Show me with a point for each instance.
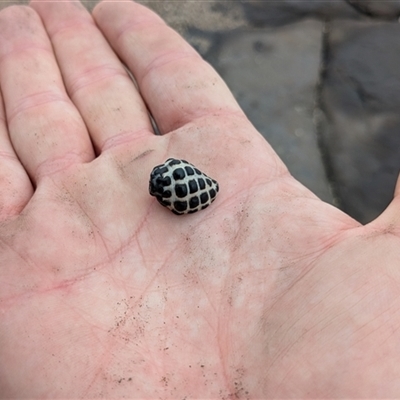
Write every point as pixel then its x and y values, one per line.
pixel 319 79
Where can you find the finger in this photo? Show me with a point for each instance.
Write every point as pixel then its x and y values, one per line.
pixel 177 85
pixel 94 77
pixel 15 186
pixel 397 187
pixel 389 220
pixel 45 128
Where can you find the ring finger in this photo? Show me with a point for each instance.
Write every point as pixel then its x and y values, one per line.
pixel 45 129
pixel 96 80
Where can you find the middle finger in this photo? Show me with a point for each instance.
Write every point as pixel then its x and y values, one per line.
pixel 95 79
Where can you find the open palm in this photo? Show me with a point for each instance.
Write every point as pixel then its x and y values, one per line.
pixel 104 293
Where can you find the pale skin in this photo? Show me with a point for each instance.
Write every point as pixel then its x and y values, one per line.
pixel 268 293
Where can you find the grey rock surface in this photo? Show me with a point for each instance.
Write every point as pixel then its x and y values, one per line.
pixel 361 99
pixel 389 9
pixel 211 15
pixel 273 74
pixel 272 13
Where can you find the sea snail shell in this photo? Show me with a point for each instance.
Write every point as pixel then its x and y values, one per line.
pixel 181 187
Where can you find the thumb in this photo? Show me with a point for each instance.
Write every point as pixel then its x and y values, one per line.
pixel 389 220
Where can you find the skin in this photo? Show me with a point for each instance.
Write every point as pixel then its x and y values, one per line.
pixel 104 293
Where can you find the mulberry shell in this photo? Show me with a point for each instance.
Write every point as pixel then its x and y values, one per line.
pixel 181 187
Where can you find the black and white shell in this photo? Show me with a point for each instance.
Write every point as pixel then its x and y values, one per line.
pixel 181 187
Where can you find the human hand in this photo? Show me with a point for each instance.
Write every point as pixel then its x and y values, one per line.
pixel 104 293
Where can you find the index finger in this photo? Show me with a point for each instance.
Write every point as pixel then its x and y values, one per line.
pixel 176 83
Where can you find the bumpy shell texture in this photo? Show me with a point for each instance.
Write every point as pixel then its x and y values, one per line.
pixel 181 187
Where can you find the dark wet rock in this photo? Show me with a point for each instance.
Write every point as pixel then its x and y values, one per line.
pixel 381 9
pixel 273 13
pixel 360 95
pixel 273 74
